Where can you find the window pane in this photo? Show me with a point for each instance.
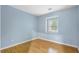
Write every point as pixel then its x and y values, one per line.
pixel 52 24
pixel 53 27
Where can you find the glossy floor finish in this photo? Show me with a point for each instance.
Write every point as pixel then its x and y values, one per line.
pixel 40 46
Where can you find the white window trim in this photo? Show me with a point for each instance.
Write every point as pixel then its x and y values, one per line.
pixel 46 28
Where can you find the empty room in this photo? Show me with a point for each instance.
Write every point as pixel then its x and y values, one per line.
pixel 39 28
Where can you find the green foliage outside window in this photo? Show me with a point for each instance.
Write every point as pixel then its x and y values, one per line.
pixel 54 24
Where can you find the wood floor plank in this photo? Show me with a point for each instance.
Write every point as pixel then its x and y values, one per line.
pixel 39 46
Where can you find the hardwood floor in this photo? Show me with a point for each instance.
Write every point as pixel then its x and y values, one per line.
pixel 21 48
pixel 40 46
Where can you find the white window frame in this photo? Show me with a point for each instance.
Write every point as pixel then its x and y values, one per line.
pixel 46 23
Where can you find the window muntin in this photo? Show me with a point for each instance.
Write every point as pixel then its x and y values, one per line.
pixel 52 24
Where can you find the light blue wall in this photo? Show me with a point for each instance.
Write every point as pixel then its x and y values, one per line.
pixel 78 25
pixel 67 26
pixel 16 26
pixel 0 26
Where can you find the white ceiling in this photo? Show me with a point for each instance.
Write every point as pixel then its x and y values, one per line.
pixel 38 10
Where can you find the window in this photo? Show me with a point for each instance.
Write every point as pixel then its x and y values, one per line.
pixel 52 24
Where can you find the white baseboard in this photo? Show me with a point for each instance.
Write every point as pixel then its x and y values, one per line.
pixel 41 39
pixel 16 44
pixel 56 42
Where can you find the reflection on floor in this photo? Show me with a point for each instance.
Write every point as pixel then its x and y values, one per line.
pixel 40 46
